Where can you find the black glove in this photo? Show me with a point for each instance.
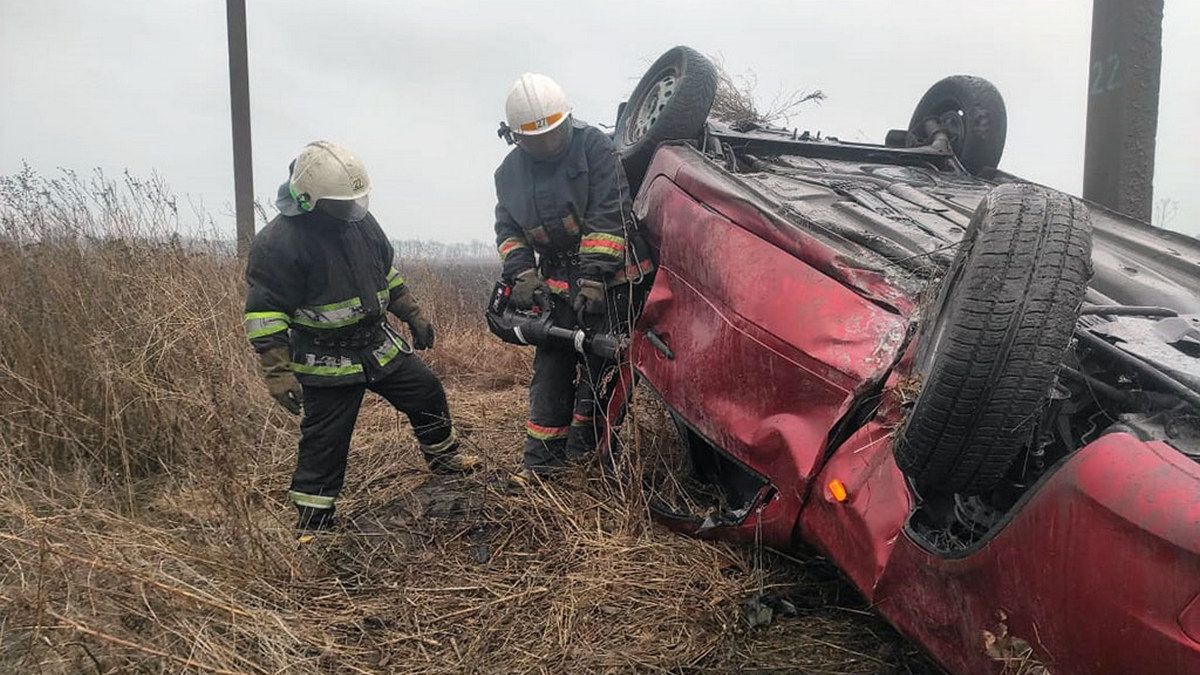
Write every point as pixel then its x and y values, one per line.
pixel 422 331
pixel 589 297
pixel 525 288
pixel 405 308
pixel 281 382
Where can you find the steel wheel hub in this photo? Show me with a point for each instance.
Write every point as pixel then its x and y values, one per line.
pixel 652 105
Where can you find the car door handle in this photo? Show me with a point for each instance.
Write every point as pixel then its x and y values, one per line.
pixel 657 342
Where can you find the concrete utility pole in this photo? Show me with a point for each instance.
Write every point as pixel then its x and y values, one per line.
pixel 1122 114
pixel 239 112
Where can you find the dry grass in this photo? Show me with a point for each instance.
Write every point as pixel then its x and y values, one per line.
pixel 737 102
pixel 143 523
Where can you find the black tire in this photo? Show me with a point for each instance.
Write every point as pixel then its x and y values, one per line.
pixel 973 112
pixel 649 119
pixel 997 335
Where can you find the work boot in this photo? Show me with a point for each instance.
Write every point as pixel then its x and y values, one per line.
pixel 452 461
pixel 521 478
pixel 446 456
pixel 525 476
pixel 311 521
pixel 578 456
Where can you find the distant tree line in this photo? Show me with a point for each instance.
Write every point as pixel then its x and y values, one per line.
pixel 439 250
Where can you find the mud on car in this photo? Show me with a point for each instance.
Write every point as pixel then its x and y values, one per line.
pixel 978 396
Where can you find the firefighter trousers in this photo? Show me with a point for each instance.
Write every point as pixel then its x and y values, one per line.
pixel 330 414
pixel 567 390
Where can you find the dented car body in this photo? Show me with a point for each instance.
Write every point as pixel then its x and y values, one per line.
pixel 781 331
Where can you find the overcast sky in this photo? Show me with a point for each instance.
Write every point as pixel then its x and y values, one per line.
pixel 416 88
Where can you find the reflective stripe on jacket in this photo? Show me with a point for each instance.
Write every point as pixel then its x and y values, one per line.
pixel 322 287
pixel 568 217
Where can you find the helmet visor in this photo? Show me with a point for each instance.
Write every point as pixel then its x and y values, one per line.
pixel 545 146
pixel 349 210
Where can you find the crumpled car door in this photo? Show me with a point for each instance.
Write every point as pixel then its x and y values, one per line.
pixel 756 351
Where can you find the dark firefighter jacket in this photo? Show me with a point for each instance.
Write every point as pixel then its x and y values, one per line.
pixel 323 286
pixel 572 212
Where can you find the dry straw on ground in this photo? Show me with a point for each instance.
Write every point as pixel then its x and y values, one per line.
pixel 737 103
pixel 143 523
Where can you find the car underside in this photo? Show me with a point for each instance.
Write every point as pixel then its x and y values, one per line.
pixel 978 396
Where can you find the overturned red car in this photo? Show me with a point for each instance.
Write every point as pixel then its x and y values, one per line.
pixel 978 396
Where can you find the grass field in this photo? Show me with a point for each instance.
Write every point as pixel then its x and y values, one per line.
pixel 144 525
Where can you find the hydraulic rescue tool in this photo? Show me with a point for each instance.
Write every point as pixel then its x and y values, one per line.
pixel 537 327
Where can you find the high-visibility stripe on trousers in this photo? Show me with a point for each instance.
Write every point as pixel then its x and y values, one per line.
pixel 565 392
pixel 545 433
pixel 328 423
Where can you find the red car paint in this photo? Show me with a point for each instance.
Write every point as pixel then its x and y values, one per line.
pixel 773 337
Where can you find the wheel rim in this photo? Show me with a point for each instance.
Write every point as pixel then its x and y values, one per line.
pixel 650 108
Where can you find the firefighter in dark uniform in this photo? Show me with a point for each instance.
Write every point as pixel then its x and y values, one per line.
pixel 564 228
pixel 320 280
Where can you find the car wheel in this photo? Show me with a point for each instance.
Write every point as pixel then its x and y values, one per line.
pixel 971 112
pixel 670 103
pixel 995 338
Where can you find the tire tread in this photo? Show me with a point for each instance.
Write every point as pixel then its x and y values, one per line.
pixel 1012 315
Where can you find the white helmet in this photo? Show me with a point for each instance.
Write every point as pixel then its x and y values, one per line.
pixel 328 176
pixel 536 105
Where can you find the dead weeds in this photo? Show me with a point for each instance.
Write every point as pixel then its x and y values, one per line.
pixel 143 522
